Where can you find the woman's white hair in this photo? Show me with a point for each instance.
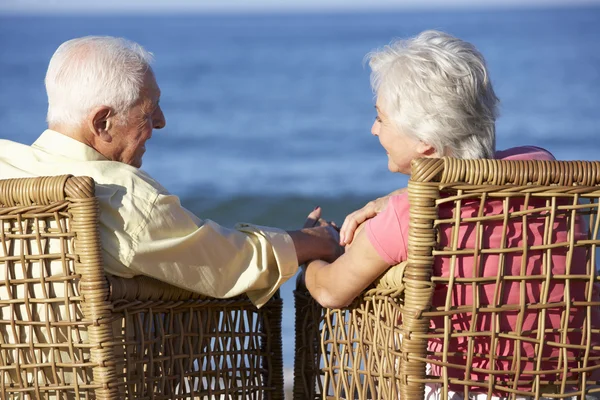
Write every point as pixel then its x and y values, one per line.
pixel 94 71
pixel 436 88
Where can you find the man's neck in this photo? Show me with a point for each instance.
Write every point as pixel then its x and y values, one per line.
pixel 73 132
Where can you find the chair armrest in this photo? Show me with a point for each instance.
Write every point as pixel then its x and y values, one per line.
pixel 143 288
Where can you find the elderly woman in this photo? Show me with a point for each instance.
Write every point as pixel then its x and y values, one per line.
pixel 434 98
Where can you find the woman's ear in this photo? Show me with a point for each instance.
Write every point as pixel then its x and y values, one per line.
pixel 99 123
pixel 427 150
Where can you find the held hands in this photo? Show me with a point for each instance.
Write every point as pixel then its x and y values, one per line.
pixel 327 231
pixel 320 228
pixel 314 219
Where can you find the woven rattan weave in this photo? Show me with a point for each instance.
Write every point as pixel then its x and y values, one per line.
pixel 69 331
pixel 383 345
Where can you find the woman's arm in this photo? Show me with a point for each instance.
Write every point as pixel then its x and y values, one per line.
pixel 335 285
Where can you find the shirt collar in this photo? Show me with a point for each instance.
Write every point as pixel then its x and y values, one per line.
pixel 56 143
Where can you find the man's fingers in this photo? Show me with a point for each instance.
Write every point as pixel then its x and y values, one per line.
pixel 309 223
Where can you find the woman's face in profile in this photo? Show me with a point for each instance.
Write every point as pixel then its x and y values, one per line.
pixel 401 148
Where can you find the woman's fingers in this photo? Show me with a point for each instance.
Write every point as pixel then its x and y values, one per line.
pixel 337 228
pixel 313 218
pixel 353 220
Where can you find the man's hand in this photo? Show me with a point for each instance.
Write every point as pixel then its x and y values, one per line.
pixel 325 229
pixel 314 219
pixel 317 240
pixel 371 209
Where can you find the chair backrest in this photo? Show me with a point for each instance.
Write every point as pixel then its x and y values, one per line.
pixel 499 294
pixel 173 344
pixel 67 330
pixel 53 292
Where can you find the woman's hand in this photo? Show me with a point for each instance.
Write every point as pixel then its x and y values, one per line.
pixel 359 228
pixel 355 219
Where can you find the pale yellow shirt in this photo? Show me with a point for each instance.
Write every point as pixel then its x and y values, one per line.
pixel 145 231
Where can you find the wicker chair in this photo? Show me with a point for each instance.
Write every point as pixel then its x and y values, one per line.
pixel 380 347
pixel 69 331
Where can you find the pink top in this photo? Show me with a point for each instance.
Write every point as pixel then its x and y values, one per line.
pixel 388 233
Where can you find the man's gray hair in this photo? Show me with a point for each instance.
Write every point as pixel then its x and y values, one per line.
pixel 436 88
pixel 94 71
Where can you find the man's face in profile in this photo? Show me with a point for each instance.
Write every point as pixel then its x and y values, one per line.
pixel 129 138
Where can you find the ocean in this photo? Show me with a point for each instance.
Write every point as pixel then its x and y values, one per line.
pixel 269 116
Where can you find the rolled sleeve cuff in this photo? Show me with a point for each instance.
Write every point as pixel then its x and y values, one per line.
pixel 284 253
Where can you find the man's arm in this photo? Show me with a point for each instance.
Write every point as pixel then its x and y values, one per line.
pixel 318 243
pixel 202 256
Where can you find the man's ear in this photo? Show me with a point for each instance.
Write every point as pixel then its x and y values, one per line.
pixel 427 150
pixel 99 123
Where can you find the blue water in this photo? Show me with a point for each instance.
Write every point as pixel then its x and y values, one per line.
pixel 270 115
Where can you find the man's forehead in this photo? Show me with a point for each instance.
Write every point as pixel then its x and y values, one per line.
pixel 150 84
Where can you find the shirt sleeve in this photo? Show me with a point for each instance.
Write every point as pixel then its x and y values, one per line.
pixel 177 247
pixel 387 230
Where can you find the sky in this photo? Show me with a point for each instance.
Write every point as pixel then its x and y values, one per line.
pixel 150 6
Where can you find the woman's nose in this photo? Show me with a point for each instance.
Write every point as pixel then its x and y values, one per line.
pixel 375 129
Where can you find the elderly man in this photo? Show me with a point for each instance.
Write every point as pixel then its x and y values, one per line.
pixel 103 104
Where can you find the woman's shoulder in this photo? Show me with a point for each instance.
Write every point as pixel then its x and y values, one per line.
pixel 525 153
pixel 399 203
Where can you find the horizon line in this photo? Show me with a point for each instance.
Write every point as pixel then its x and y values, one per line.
pixel 293 9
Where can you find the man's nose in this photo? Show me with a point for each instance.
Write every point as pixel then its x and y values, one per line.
pixel 159 120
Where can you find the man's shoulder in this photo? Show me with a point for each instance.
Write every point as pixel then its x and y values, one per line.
pixel 8 147
pixel 133 181
pixel 22 161
pixel 116 182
